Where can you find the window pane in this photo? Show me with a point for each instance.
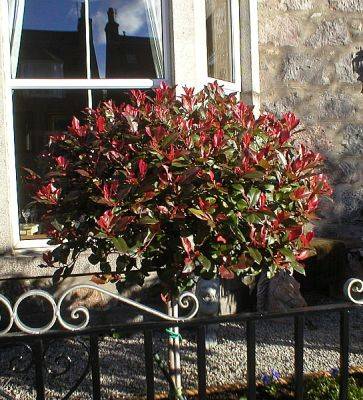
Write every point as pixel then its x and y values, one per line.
pixel 118 96
pixel 126 39
pixel 219 39
pixel 37 115
pixel 52 40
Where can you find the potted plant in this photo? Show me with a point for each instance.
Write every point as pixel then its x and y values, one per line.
pixel 189 186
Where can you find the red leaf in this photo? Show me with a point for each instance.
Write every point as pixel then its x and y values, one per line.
pixel 221 239
pixel 294 232
pixel 62 162
pixel 218 138
pixel 107 221
pixel 101 124
pixel 290 120
pixel 313 204
pixel 304 254
pixel 306 239
pixel 187 243
pixel 225 273
pixel 49 194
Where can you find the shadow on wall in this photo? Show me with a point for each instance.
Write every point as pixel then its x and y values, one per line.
pixel 357 64
pixel 332 120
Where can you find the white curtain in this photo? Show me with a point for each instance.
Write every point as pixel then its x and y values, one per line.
pixel 154 22
pixel 16 14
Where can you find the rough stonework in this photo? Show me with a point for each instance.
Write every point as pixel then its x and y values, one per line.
pixel 347 5
pixel 296 4
pixel 280 30
pixel 307 66
pixel 297 67
pixel 330 33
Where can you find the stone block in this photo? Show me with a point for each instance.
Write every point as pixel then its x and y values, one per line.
pixel 339 106
pixel 348 202
pixel 330 33
pixel 282 105
pixel 279 30
pixel 302 68
pixel 353 139
pixel 296 5
pixel 347 171
pixel 278 294
pixel 346 5
pixel 344 69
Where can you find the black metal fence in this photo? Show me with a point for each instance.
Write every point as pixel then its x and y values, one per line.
pixel 38 343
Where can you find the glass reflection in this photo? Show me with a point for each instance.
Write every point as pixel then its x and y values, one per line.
pixel 219 39
pixel 127 38
pixel 52 41
pixel 37 115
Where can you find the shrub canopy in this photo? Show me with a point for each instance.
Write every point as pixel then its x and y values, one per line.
pixel 185 186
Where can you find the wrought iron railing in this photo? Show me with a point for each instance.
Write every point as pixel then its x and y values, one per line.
pixel 38 341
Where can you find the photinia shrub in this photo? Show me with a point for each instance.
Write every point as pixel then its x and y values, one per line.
pixel 185 186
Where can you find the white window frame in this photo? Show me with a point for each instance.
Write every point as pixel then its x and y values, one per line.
pixel 67 84
pixel 235 86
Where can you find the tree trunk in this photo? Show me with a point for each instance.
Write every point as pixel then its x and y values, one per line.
pixel 174 348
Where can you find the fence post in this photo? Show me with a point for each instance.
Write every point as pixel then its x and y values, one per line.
pixel 95 367
pixel 149 365
pixel 344 354
pixel 299 356
pixel 251 360
pixel 201 359
pixel 38 357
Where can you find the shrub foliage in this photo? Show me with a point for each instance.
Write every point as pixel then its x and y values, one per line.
pixel 185 186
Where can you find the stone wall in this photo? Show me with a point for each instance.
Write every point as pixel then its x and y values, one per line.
pixel 306 52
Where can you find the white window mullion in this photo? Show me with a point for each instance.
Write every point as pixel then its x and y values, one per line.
pixel 84 83
pixel 167 51
pixel 88 50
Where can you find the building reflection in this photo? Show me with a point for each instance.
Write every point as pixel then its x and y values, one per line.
pixel 62 54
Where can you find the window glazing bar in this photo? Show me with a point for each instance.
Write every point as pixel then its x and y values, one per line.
pixel 84 83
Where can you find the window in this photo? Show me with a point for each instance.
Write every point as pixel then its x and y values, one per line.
pixel 222 32
pixel 67 55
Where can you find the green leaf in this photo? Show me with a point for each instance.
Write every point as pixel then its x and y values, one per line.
pixel 255 254
pixel 120 245
pixel 298 268
pixel 253 195
pixel 196 212
pixel 254 175
pixel 242 204
pixel 253 218
pixel 281 157
pixel 289 255
pixel 148 221
pixel 204 261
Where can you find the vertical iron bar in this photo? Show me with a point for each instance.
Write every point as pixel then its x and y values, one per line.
pixel 38 357
pixel 149 365
pixel 251 360
pixel 299 356
pixel 201 360
pixel 95 367
pixel 344 354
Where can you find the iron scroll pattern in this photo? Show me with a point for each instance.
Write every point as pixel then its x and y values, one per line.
pixel 65 363
pixel 351 287
pixel 55 355
pixel 186 300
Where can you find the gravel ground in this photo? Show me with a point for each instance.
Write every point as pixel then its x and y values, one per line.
pixel 122 367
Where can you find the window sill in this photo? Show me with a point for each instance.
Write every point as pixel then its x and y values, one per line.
pixel 228 87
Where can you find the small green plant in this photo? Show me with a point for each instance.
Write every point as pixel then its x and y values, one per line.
pixel 327 387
